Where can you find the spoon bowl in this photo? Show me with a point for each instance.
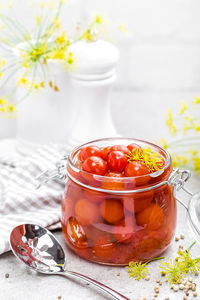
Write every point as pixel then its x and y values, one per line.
pixel 39 250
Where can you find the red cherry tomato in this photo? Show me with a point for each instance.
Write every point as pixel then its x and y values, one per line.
pixel 105 151
pixel 121 148
pixel 136 168
pixel 87 212
pixel 112 210
pixel 104 248
pixel 76 233
pixel 133 146
pixel 113 181
pixel 90 151
pixel 152 217
pixel 124 230
pixel 117 161
pixel 138 201
pixel 95 165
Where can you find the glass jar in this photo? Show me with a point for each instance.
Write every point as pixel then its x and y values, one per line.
pixel 113 221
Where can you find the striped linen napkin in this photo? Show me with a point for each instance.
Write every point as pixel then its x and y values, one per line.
pixel 20 202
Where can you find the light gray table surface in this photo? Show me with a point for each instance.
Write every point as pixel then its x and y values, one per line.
pixel 24 284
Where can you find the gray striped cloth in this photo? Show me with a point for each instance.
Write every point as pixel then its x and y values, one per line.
pixel 20 202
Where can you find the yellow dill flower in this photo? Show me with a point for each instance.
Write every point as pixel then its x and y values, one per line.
pixel 100 20
pixel 4 39
pixel 89 35
pixel 2 62
pixel 22 81
pixel 38 20
pixel 70 61
pixel 183 107
pixel 122 28
pixel 1 74
pixel 62 39
pixel 170 123
pixel 196 100
pixel 11 111
pixel 197 127
pixel 179 160
pixel 56 22
pixel 163 143
pixel 3 102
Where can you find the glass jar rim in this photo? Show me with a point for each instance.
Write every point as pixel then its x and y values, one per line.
pixel 121 179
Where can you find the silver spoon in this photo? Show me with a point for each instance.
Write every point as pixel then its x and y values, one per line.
pixel 39 250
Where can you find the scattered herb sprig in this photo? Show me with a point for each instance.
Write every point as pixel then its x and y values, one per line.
pixel 139 270
pixel 177 268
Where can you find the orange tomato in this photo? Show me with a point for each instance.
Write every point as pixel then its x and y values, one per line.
pixel 76 233
pixel 112 210
pixel 112 181
pixel 138 201
pixel 124 230
pixel 104 248
pixel 152 217
pixel 87 212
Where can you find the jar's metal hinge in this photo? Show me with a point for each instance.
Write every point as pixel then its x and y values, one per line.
pixel 178 179
pixel 59 173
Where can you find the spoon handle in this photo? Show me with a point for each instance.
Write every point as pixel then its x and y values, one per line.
pixel 101 286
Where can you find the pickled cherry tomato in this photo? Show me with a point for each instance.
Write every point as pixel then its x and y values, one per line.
pixel 121 148
pixel 117 161
pixel 105 151
pixel 95 165
pixel 136 168
pixel 124 230
pixel 152 217
pixel 133 146
pixel 104 248
pixel 112 210
pixel 76 233
pixel 111 183
pixel 138 201
pixel 87 212
pixel 89 151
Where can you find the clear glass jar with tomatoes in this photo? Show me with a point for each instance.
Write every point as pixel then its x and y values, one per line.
pixel 118 204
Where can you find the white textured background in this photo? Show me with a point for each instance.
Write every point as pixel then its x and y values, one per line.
pixel 160 59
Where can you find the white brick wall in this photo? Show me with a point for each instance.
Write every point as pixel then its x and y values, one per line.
pixel 160 60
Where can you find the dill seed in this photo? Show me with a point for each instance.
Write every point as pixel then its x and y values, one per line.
pixel 176 239
pixel 184 298
pixel 147 277
pixel 180 247
pixel 193 287
pixel 7 275
pixel 196 273
pixel 181 287
pixel 59 297
pixel 158 280
pixel 175 288
pixel 190 279
pixel 118 274
pixel 187 293
pixel 195 294
pixel 182 236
